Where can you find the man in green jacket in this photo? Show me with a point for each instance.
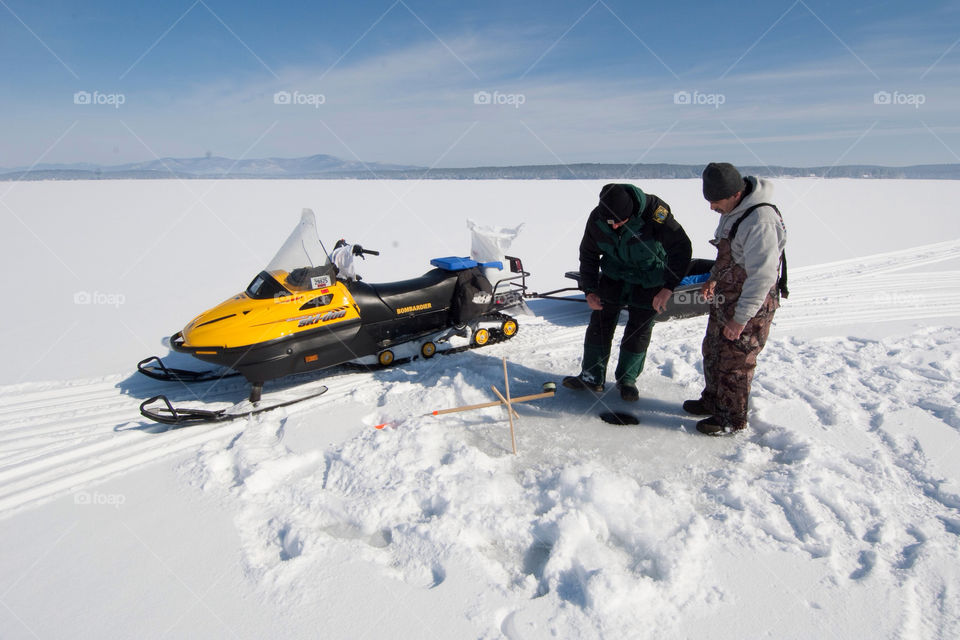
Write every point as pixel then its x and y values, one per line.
pixel 633 254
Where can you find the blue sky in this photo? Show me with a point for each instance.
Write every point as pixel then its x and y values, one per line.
pixel 448 84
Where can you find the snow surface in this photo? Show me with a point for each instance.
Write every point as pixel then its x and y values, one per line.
pixel 836 515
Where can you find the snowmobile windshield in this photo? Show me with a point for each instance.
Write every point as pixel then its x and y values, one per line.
pixel 265 286
pixel 301 264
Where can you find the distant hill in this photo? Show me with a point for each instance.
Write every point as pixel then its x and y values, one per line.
pixel 330 167
pixel 316 166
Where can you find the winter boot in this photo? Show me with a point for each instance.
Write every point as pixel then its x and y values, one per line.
pixel 715 426
pixel 577 383
pixel 628 391
pixel 593 370
pixel 696 408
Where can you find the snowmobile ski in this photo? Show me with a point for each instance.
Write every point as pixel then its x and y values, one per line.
pixel 160 371
pixel 164 412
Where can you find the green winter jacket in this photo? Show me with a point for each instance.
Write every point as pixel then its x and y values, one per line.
pixel 650 252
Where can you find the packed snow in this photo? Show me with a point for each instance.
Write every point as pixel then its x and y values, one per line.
pixel 837 514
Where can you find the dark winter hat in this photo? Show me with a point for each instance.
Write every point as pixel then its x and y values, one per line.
pixel 720 181
pixel 616 202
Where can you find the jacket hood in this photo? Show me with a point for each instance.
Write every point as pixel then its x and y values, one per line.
pixel 639 197
pixel 761 191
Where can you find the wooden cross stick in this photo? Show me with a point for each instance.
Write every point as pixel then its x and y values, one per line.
pixel 504 401
pixel 495 403
pixel 506 382
pixel 549 390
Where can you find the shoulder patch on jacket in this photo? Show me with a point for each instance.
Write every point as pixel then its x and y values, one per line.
pixel 660 215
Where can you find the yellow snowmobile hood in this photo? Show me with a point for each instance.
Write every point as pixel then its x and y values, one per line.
pixel 242 321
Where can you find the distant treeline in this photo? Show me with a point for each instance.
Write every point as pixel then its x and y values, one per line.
pixel 528 172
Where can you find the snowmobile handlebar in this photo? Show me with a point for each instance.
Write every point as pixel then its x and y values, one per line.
pixel 360 251
pixel 356 249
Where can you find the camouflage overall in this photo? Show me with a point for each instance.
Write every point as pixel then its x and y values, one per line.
pixel 728 365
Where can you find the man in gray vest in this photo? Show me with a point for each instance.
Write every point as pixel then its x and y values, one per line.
pixel 744 288
pixel 632 255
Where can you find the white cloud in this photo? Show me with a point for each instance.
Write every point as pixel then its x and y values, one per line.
pixel 415 104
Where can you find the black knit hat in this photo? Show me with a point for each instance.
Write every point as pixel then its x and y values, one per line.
pixel 616 203
pixel 720 181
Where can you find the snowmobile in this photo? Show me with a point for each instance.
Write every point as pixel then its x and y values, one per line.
pixel 303 313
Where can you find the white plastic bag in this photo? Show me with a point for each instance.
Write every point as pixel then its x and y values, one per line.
pixel 490 244
pixel 342 258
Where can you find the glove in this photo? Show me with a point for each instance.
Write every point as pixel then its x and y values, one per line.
pixel 357 250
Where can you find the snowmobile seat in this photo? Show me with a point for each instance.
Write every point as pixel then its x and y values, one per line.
pixel 699 265
pixel 573 275
pixel 431 292
pixel 372 308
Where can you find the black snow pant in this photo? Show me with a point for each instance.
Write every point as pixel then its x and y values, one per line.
pixel 633 347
